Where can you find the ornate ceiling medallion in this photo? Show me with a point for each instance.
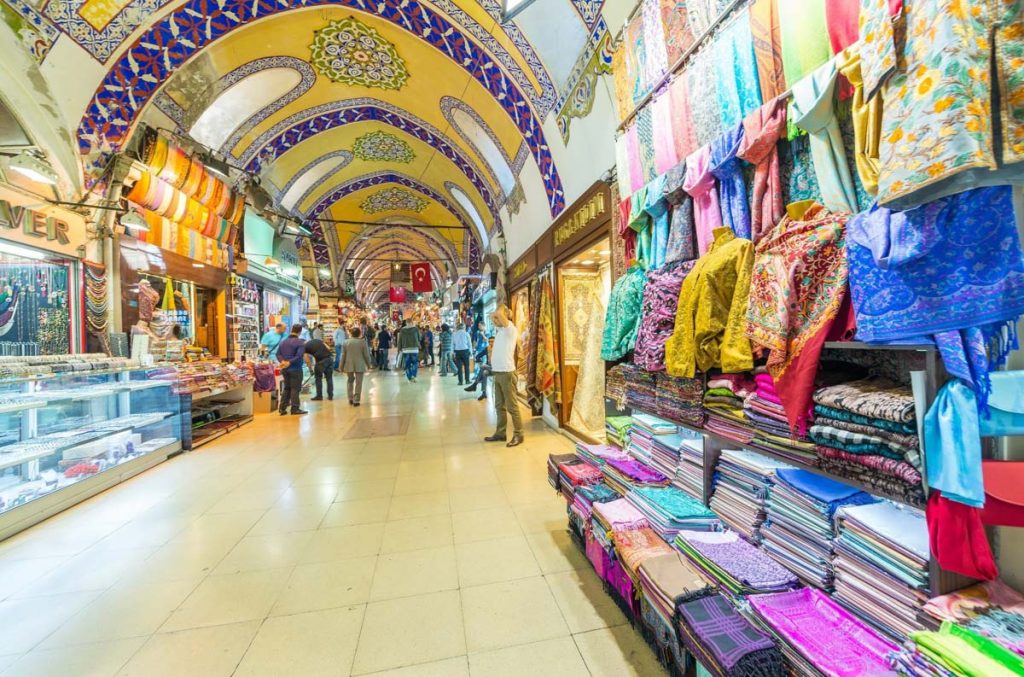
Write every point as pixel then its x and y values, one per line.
pixel 391 199
pixel 382 147
pixel 352 53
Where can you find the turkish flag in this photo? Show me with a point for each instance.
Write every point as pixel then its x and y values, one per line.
pixel 420 274
pixel 396 295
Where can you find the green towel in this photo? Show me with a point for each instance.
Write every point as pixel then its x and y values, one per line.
pixel 968 653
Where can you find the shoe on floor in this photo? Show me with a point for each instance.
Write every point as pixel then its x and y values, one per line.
pixel 470 389
pixel 299 412
pixel 515 441
pixel 355 404
pixel 494 438
pixel 283 413
pixel 483 396
pixel 316 399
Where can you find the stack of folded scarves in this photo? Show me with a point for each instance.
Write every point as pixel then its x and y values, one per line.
pixel 619 515
pixel 992 609
pixel 724 642
pixel 723 405
pixel 742 482
pixel 640 444
pixel 654 425
pixel 665 453
pixel 615 386
pixel 689 475
pixel 881 565
pixel 575 473
pixel 670 510
pixel 680 399
pixel 553 461
pixel 765 414
pixel 866 430
pixel 641 390
pixel 738 567
pixel 964 652
pixel 799 528
pixel 599 454
pixel 818 636
pixel 623 476
pixel 617 429
pixel 633 546
pixel 665 581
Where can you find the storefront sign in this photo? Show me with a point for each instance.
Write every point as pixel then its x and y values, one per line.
pixel 523 267
pixel 593 209
pixel 48 228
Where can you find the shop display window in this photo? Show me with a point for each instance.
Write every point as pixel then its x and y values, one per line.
pixel 36 302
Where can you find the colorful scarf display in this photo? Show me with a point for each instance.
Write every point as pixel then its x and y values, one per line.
pixel 700 184
pixel 805 44
pixel 623 317
pixel 762 130
pixel 658 316
pixel 682 240
pixel 739 92
pixel 724 642
pixel 766 34
pixel 728 169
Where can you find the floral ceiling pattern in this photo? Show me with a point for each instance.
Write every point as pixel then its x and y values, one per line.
pixel 382 147
pixel 351 53
pixel 393 199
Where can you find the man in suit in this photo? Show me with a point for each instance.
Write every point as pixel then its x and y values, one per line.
pixel 355 361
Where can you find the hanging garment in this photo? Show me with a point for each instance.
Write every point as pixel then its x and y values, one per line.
pixel 958 538
pixel 812 111
pixel 841 17
pixel 700 184
pixel 766 36
pixel 684 132
pixel 533 394
pixel 658 314
pixel 1004 495
pixel 739 92
pixel 762 130
pixel 678 36
pixel 878 42
pixel 805 45
pixel 587 414
pixel 622 169
pixel 702 85
pixel 867 120
pixel 623 82
pixel 952 444
pixel 656 206
pixel 952 269
pixel 719 287
pixel 644 124
pixel 728 169
pixel 939 128
pixel 636 171
pixel 682 240
pixel 623 317
pixel 635 55
pixel 797 288
pixel 655 58
pixel 665 157
pixel 547 375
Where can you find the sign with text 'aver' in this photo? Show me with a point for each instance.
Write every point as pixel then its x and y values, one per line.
pixel 421 282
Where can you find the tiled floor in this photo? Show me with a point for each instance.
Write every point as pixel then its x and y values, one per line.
pixel 289 548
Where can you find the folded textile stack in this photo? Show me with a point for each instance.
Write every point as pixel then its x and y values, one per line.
pixel 742 481
pixel 723 405
pixel 765 414
pixel 596 493
pixel 624 476
pixel 553 461
pixel 617 429
pixel 799 529
pixel 992 609
pixel 654 425
pixel 689 475
pixel 670 510
pixel 615 386
pixel 640 444
pixel 576 473
pixel 964 652
pixel 819 636
pixel 725 642
pixel 665 581
pixel 599 454
pixel 680 399
pixel 734 564
pixel 619 515
pixel 881 564
pixel 866 430
pixel 640 388
pixel 665 453
pixel 633 546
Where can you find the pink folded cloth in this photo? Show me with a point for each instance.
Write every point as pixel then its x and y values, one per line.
pixel 769 396
pixel 765 379
pixel 620 514
pixel 739 389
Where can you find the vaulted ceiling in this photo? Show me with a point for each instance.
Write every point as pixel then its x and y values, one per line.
pixel 354 113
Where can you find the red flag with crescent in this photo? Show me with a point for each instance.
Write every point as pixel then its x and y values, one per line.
pixel 397 295
pixel 420 274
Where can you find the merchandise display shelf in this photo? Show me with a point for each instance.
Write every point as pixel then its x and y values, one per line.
pixel 66 374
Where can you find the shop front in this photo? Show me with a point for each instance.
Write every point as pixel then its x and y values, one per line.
pixel 272 263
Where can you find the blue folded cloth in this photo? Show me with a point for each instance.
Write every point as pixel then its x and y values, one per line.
pixel 822 489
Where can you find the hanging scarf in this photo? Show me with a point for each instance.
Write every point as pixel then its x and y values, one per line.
pixel 656 206
pixel 547 375
pixel 658 316
pixel 766 34
pixel 728 169
pixel 738 90
pixel 683 129
pixel 762 130
pixel 588 396
pixel 532 347
pixel 796 292
pixel 665 156
pixel 951 269
pixel 682 243
pixel 700 184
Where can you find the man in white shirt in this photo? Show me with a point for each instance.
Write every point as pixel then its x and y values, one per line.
pixel 503 373
pixel 461 345
pixel 340 336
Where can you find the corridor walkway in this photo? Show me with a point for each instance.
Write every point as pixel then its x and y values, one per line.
pixel 292 547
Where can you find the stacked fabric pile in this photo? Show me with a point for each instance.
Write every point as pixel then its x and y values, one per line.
pixel 610 518
pixel 960 651
pixel 640 445
pixel 553 461
pixel 665 582
pixel 670 510
pixel 634 546
pixel 866 430
pixel 881 564
pixel 992 609
pixel 742 481
pixel 665 453
pixel 623 476
pixel 738 567
pixel 764 412
pixel 575 473
pixel 818 636
pixel 653 425
pixel 680 399
pixel 615 386
pixel 641 388
pixel 725 642
pixel 643 433
pixel 799 529
pixel 599 454
pixel 723 405
pixel 689 475
pixel 617 430
pixel 618 515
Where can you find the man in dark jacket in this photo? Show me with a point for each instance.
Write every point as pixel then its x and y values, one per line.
pixel 409 347
pixel 320 355
pixel 383 348
pixel 290 352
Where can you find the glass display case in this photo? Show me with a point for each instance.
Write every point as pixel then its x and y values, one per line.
pixel 69 429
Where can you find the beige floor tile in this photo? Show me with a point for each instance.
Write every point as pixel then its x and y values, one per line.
pixel 550 658
pixel 501 559
pixel 326 585
pixel 374 471
pixel 555 551
pixel 420 468
pixel 477 498
pixel 416 572
pixel 543 517
pixel 408 631
pixel 27 622
pixel 16 575
pixel 354 491
pixel 584 603
pixel 297 496
pixel 422 484
pixel 230 598
pixel 205 652
pixel 101 659
pixel 363 511
pixel 451 667
pixel 319 643
pixel 279 520
pixel 181 560
pixel 270 551
pixel 90 570
pixel 220 526
pixel 419 505
pixel 247 499
pixel 417 533
pixel 326 545
pixel 528 492
pixel 482 525
pixel 473 478
pixel 510 613
pixel 617 652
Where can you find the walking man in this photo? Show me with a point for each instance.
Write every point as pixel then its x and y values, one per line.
pixel 383 348
pixel 503 373
pixel 340 336
pixel 321 361
pixel 409 346
pixel 445 339
pixel 290 353
pixel 461 347
pixel 355 361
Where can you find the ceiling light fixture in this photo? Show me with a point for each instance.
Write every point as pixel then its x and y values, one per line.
pixel 134 221
pixel 34 168
pixel 198 265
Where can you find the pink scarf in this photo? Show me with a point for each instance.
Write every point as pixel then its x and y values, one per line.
pixel 700 184
pixel 761 132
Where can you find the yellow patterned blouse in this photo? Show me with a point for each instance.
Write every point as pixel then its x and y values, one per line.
pixel 710 317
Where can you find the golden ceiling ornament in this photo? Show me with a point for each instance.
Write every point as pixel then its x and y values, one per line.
pixel 382 147
pixel 392 199
pixel 349 52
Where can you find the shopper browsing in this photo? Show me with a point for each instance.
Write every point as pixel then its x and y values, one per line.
pixel 320 358
pixel 503 372
pixel 461 347
pixel 340 336
pixel 409 347
pixel 290 353
pixel 383 348
pixel 271 340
